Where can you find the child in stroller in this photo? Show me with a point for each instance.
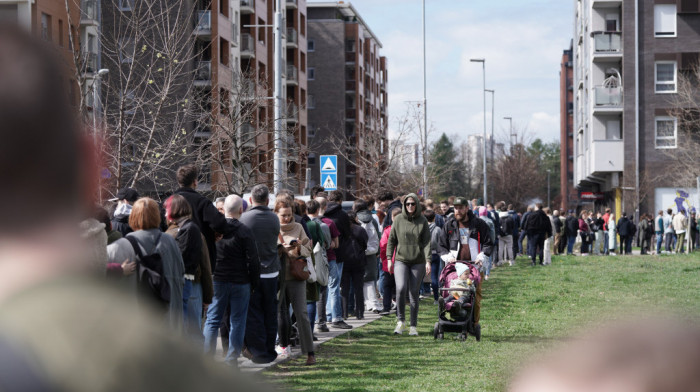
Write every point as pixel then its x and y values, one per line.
pixel 458 283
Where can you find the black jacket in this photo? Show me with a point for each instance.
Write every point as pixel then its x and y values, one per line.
pixel 523 222
pixel 357 244
pixel 623 227
pixel 334 212
pixel 571 224
pixel 538 222
pixel 207 217
pixel 189 240
pixel 479 231
pixel 388 220
pixel 120 223
pixel 237 256
pixel 558 224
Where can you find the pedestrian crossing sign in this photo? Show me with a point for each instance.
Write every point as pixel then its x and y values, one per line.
pixel 330 181
pixel 329 163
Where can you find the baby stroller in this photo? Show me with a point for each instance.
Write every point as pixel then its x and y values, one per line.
pixel 457 315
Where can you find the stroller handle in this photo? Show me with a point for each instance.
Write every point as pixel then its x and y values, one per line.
pixel 455 289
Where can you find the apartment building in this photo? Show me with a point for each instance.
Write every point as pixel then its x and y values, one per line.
pixel 569 194
pixel 49 20
pixel 628 56
pixel 347 96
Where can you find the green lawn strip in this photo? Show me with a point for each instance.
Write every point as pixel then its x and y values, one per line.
pixel 525 309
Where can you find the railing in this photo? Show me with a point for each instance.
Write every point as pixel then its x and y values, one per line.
pixel 203 21
pixel 292 2
pixel 88 10
pixel 292 37
pixel 203 72
pixel 292 73
pixel 608 96
pixel 247 3
pixel 607 41
pixel 247 43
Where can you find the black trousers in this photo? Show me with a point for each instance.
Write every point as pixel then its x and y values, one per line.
pixel 261 325
pixel 353 275
pixel 537 246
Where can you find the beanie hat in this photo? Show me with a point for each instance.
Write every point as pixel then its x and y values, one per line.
pixel 461 267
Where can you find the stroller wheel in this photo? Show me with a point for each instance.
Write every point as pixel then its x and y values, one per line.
pixel 441 336
pixel 477 332
pixel 436 330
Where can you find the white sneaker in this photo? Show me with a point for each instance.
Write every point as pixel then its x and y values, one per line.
pixel 412 331
pixel 400 327
pixel 283 352
pixel 510 262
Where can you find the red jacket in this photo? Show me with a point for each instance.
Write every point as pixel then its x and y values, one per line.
pixel 382 251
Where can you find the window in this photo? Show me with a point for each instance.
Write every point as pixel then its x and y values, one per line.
pixel 126 5
pixel 666 132
pixel 126 51
pixel 311 102
pixel 312 158
pixel 302 25
pixel 311 74
pixel 60 33
pixel 45 27
pixel 665 77
pixel 312 133
pixel 665 20
pixel 310 45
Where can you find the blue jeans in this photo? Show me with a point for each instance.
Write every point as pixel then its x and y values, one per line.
pixel 606 243
pixel 570 244
pixel 334 308
pixel 237 296
pixel 193 312
pixel 659 241
pixel 523 233
pixel 311 310
pixel 186 289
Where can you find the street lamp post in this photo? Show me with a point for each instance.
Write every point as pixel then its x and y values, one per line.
pixel 493 102
pixel 548 199
pixel 483 149
pixel 510 119
pixel 278 166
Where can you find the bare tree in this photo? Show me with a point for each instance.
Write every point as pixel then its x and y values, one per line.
pixel 236 131
pixel 686 109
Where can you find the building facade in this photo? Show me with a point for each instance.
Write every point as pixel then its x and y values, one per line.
pixel 569 194
pixel 628 56
pixel 347 96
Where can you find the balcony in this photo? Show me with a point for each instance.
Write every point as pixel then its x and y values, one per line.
pixel 607 42
pixel 88 13
pixel 203 23
pixel 247 46
pixel 292 4
pixel 202 75
pixel 608 97
pixel 350 114
pixel 292 75
pixel 350 86
pixel 247 7
pixel 382 86
pixel 292 37
pixel 292 112
pixel 350 57
pixel 607 156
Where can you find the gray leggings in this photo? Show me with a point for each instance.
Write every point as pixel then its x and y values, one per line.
pixel 408 278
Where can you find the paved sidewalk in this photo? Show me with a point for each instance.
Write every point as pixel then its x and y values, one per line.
pixel 247 365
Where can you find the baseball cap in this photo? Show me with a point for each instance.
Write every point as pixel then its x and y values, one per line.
pixel 461 201
pixel 128 194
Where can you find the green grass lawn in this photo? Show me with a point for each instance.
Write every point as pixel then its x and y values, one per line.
pixel 524 310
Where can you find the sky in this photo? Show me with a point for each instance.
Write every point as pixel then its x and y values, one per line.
pixel 522 42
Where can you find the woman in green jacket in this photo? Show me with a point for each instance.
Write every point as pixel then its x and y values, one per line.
pixel 409 241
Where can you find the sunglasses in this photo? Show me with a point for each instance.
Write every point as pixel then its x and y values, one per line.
pixel 410 204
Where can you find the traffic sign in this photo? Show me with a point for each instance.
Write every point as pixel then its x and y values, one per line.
pixel 329 164
pixel 329 181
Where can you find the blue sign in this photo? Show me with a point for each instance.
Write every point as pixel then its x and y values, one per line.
pixel 329 181
pixel 329 172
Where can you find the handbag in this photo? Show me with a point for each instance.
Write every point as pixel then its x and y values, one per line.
pixel 312 271
pixel 321 264
pixel 299 268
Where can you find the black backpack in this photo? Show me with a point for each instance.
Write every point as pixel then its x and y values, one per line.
pixel 507 225
pixel 149 274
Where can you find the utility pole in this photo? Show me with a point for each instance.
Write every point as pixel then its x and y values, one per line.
pixel 425 115
pixel 279 167
pixel 493 110
pixel 483 144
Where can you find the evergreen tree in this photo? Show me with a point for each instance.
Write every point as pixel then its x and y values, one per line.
pixel 446 172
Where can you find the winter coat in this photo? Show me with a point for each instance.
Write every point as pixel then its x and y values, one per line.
pixel 237 256
pixel 478 230
pixel 265 226
pixel 571 226
pixel 368 223
pixel 120 223
pixel 623 227
pixel 203 273
pixel 189 240
pixel 410 235
pixel 292 231
pixel 382 251
pixel 388 220
pixel 209 220
pixel 334 212
pixel 436 237
pixel 94 236
pixel 538 222
pixel 680 223
pixel 558 225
